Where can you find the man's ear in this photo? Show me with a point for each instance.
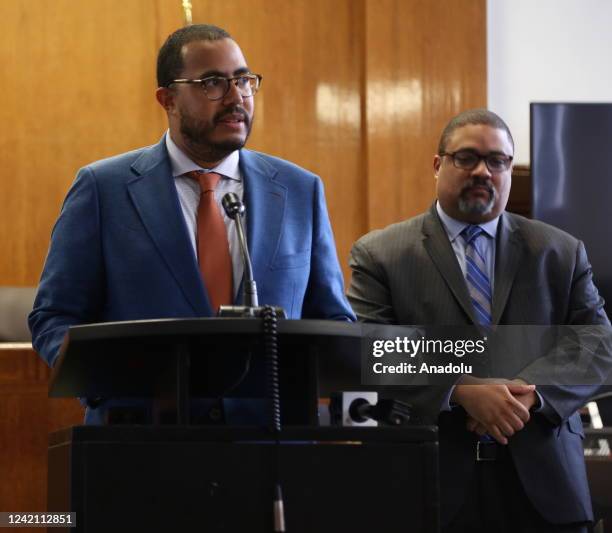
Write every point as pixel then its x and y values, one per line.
pixel 165 97
pixel 437 161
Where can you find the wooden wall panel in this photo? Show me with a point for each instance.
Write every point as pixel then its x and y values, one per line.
pixel 77 84
pixel 425 62
pixel 356 90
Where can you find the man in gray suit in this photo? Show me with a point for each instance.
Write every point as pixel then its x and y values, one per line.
pixel 511 455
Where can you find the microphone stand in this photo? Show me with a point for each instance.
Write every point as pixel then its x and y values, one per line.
pixel 234 208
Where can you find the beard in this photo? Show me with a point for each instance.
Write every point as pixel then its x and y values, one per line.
pixel 198 135
pixel 477 206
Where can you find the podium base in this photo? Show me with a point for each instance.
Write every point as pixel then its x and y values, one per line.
pixel 222 479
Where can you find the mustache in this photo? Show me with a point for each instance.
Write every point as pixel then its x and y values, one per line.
pixel 478 182
pixel 237 110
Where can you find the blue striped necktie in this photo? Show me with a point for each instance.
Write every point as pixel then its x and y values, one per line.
pixel 479 285
pixel 478 282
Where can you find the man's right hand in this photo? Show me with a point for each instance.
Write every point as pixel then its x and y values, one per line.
pixel 491 403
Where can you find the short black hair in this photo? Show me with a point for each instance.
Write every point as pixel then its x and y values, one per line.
pixel 170 60
pixel 474 117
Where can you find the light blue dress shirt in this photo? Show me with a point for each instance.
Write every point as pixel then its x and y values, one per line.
pixel 453 230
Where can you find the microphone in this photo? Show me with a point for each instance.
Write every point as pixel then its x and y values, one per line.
pixel 389 412
pixel 234 209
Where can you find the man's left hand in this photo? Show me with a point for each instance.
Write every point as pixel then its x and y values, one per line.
pixel 528 399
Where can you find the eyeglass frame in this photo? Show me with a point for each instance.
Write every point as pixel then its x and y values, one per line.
pixel 480 158
pixel 200 81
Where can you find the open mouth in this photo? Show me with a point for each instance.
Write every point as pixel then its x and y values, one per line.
pixel 232 119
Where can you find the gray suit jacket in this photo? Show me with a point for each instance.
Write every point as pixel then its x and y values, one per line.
pixel 408 274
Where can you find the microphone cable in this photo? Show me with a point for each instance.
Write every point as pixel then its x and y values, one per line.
pixel 270 336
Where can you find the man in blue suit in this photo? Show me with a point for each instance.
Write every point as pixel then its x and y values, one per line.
pixel 126 244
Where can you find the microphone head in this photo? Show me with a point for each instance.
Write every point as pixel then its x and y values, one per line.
pixel 233 205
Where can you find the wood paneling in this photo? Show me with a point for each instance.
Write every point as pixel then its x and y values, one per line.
pixel 77 84
pixel 27 417
pixel 521 197
pixel 425 62
pixel 354 90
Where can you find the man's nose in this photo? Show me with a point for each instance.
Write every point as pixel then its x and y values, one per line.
pixel 233 95
pixel 481 169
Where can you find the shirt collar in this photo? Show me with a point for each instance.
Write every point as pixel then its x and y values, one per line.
pixel 454 227
pixel 181 164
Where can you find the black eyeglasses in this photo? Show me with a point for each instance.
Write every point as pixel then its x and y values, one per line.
pixel 469 160
pixel 216 87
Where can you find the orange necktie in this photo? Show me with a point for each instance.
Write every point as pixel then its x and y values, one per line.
pixel 213 246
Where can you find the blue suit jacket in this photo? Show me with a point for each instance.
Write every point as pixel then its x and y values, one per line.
pixel 120 248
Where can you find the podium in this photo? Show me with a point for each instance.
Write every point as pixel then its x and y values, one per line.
pixel 185 477
pixel 176 359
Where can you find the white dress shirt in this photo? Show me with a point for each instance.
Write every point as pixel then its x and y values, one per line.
pixel 189 197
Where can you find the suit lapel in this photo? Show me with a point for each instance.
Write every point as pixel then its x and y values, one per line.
pixel 155 198
pixel 265 201
pixel 441 252
pixel 509 252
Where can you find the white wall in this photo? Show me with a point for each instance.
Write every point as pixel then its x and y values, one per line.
pixel 546 51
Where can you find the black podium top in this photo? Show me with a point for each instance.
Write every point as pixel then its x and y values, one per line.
pixel 134 359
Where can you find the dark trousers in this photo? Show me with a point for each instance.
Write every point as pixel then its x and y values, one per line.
pixel 497 503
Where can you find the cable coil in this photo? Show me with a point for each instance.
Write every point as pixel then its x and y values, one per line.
pixel 270 329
